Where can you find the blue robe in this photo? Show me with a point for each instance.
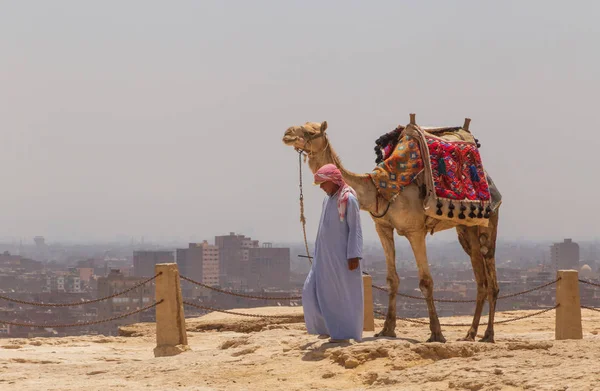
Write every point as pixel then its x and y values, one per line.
pixel 333 295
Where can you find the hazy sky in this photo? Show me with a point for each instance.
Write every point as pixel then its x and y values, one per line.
pixel 165 119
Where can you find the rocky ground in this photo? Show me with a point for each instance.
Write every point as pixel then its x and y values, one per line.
pixel 234 353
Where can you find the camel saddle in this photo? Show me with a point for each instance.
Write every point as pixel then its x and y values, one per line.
pixel 446 164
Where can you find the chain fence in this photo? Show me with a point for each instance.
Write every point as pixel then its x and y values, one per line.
pixel 379 313
pixel 416 321
pixel 79 324
pixel 262 297
pixel 255 297
pixel 78 303
pixel 504 321
pixel 590 283
pixel 203 307
pixel 590 308
pixel 467 300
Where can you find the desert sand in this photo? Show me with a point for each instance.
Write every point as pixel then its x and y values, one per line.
pixel 234 353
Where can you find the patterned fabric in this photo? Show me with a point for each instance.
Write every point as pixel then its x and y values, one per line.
pixel 330 173
pixel 457 170
pixel 398 170
pixel 387 151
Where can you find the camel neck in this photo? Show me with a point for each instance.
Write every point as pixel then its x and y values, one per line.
pixel 362 184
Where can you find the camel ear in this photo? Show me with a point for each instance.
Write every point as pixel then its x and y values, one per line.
pixel 323 126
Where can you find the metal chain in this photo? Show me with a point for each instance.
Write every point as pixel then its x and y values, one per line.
pixel 202 307
pixel 239 294
pixel 302 217
pixel 465 300
pixel 381 314
pixel 422 298
pixel 527 316
pixel 590 283
pixel 480 324
pixel 403 319
pixel 529 290
pixel 591 308
pixel 56 326
pixel 80 302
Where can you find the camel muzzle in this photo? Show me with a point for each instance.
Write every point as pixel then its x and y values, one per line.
pixel 289 138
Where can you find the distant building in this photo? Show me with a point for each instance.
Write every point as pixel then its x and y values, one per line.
pixel 63 283
pixel 17 262
pixel 4 330
pixel 565 255
pixel 586 271
pixel 144 261
pixel 137 298
pixel 41 252
pixel 86 273
pixel 200 262
pixel 234 257
pixel 7 259
pixel 269 267
pixel 39 241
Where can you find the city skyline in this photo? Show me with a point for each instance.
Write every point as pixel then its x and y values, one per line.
pixel 166 241
pixel 241 264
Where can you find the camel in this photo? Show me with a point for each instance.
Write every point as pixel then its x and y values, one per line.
pixel 406 216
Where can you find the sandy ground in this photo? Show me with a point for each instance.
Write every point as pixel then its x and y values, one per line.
pixel 233 353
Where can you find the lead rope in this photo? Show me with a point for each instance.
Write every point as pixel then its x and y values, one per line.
pixel 302 217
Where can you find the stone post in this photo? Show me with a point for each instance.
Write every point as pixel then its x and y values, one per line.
pixel 369 321
pixel 568 313
pixel 171 338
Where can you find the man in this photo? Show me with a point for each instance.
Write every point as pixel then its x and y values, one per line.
pixel 333 292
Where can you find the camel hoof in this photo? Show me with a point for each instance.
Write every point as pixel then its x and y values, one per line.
pixel 471 334
pixel 436 337
pixel 487 339
pixel 386 333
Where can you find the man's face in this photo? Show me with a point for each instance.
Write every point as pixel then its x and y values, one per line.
pixel 330 188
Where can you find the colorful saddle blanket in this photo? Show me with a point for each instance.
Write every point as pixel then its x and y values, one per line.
pixel 453 174
pixel 400 169
pixel 457 170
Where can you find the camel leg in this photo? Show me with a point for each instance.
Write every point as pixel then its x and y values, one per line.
pixel 386 236
pixel 418 244
pixel 469 240
pixel 487 241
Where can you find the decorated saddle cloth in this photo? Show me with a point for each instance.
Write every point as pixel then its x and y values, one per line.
pixel 446 161
pixel 399 169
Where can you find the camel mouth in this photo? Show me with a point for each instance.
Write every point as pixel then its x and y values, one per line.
pixel 290 140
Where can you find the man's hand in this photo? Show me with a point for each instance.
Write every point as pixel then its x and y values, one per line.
pixel 353 263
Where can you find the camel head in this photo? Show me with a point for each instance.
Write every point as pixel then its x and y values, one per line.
pixel 309 137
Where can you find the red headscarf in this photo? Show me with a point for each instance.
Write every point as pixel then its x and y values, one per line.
pixel 330 173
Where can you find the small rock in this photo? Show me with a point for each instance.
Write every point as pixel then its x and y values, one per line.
pixel 328 375
pixel 472 385
pixel 370 378
pixel 543 345
pixel 95 373
pixel 245 351
pixel 498 371
pixel 351 363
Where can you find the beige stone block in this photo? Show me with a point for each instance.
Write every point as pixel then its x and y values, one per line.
pixel 369 320
pixel 171 337
pixel 568 313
